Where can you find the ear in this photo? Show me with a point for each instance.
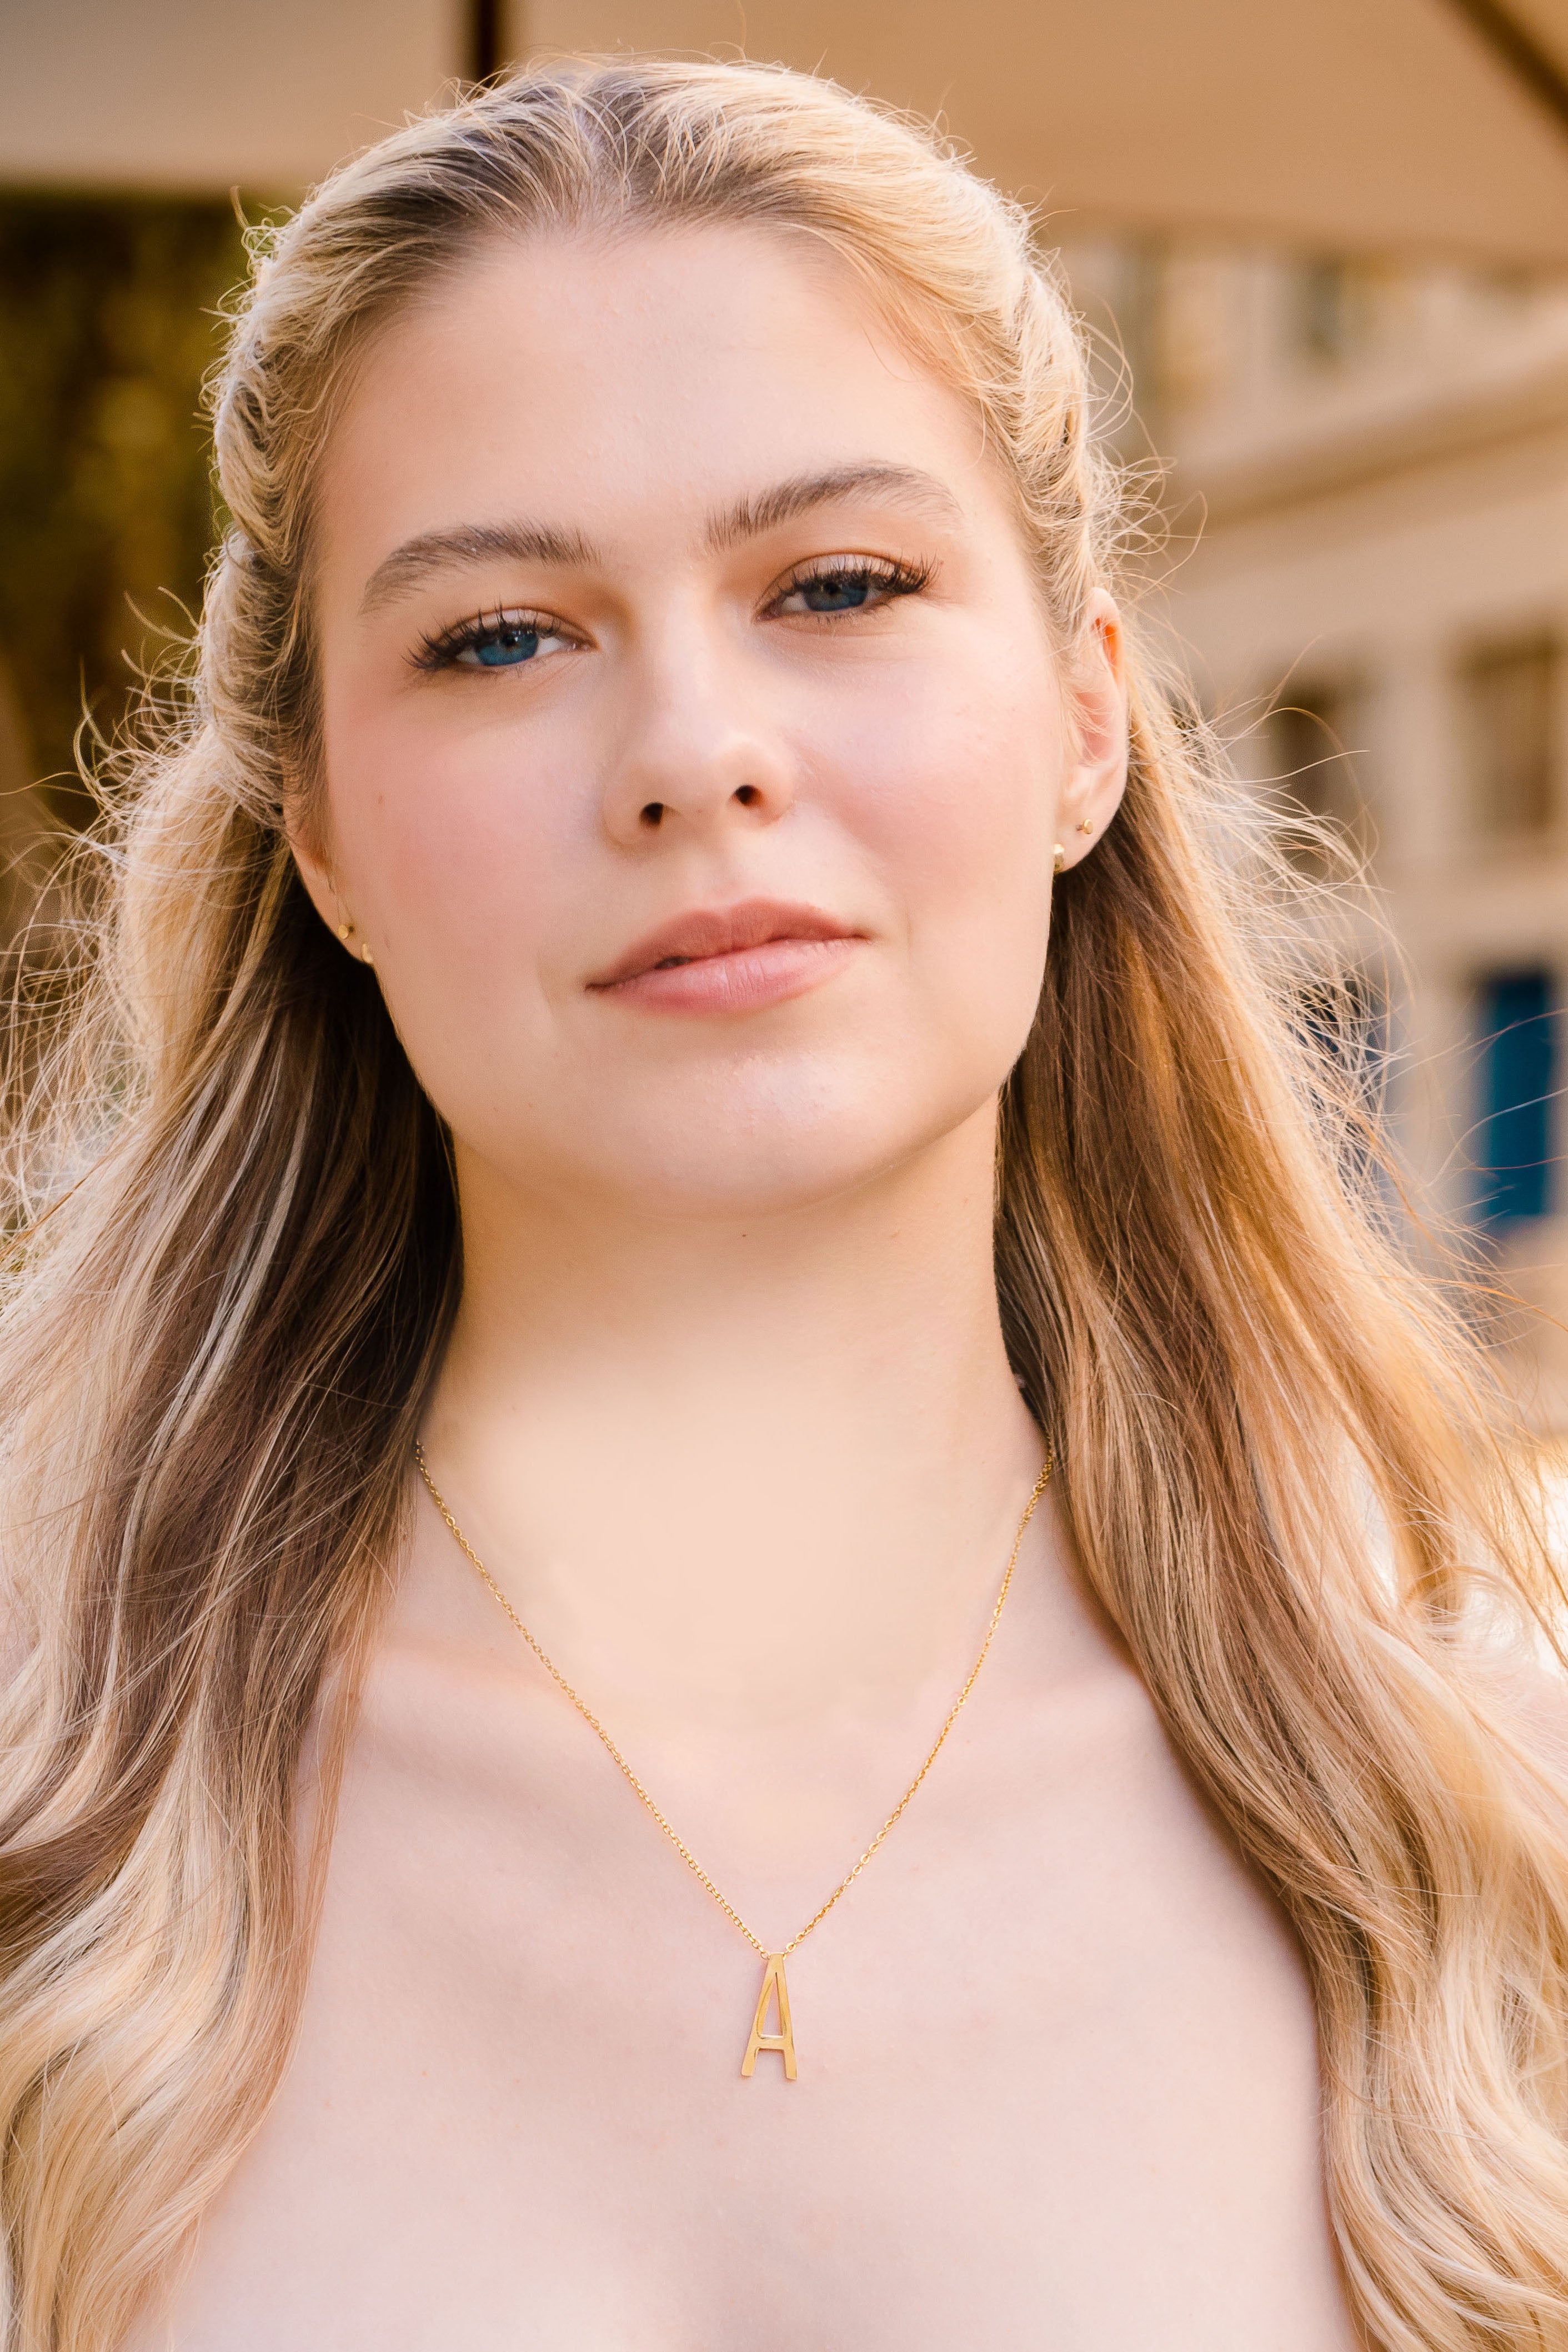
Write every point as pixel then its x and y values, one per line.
pixel 1097 709
pixel 316 872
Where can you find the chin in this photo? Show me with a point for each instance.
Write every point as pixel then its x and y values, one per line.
pixel 720 1176
pixel 747 1158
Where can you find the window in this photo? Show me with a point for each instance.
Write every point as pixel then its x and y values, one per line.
pixel 1512 695
pixel 1519 1071
pixel 1333 306
pixel 1311 754
pixel 1344 1022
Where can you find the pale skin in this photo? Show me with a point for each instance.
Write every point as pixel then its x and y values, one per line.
pixel 728 1411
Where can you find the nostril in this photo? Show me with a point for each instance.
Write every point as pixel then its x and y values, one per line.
pixel 652 813
pixel 747 795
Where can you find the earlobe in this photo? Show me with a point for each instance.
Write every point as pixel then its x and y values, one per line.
pixel 1094 787
pixel 322 888
pixel 316 872
pixel 310 866
pixel 346 929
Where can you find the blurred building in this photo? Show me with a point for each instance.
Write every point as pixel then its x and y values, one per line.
pixel 1367 493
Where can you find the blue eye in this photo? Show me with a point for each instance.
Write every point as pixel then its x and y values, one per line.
pixel 495 641
pixel 851 588
pixel 500 648
pixel 830 595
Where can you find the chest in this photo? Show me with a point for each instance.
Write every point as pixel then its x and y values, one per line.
pixel 1056 2085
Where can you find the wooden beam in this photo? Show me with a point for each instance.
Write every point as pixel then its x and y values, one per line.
pixel 1516 47
pixel 485 59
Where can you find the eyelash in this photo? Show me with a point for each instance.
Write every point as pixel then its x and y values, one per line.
pixel 897 579
pixel 441 650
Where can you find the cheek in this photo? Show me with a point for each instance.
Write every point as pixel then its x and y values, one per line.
pixel 952 788
pixel 451 840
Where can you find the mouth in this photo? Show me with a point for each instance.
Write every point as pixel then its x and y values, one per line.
pixel 730 959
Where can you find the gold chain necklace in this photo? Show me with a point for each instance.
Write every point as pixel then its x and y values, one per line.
pixel 775 1989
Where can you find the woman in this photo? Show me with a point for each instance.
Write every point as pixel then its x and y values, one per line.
pixel 576 1153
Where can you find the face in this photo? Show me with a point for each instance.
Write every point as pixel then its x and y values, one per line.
pixel 695 741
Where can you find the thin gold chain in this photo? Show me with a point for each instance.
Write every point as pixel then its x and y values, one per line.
pixel 687 1856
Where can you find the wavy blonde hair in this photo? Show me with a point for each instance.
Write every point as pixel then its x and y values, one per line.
pixel 1279 1455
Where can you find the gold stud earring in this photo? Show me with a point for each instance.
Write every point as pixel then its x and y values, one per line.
pixel 343 929
pixel 1087 825
pixel 1059 859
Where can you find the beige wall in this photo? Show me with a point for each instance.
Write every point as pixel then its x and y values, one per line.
pixel 1332 120
pixel 1326 121
pixel 208 93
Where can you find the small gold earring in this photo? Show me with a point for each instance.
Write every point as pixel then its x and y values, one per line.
pixel 366 954
pixel 1087 825
pixel 1060 858
pixel 343 929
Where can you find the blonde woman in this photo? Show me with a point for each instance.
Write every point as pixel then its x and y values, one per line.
pixel 748 1607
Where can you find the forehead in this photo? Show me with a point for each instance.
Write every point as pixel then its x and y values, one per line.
pixel 617 376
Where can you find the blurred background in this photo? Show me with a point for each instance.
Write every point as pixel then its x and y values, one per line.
pixel 1325 244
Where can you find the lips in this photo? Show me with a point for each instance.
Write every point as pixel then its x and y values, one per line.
pixel 731 959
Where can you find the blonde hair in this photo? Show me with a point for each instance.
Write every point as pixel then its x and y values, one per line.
pixel 1278 1452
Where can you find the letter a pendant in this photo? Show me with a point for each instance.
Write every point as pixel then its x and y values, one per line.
pixel 773 1986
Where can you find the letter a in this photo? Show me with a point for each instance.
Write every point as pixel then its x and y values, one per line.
pixel 773 1986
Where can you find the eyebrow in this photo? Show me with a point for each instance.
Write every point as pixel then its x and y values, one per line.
pixel 465 544
pixel 906 485
pixel 408 566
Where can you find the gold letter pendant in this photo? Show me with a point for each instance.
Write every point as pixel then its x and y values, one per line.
pixel 773 1986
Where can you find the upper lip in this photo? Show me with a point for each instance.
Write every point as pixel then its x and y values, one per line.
pixel 722 930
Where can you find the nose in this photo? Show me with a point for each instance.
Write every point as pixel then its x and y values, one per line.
pixel 697 750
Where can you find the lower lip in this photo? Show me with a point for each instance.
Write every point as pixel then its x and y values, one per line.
pixel 742 982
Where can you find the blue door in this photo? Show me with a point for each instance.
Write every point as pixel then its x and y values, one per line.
pixel 1519 1072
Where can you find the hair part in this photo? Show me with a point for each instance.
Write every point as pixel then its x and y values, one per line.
pixel 217 1342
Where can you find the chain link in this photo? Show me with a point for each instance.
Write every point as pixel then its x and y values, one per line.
pixel 687 1856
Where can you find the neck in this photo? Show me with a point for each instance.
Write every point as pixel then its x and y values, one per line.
pixel 743 1469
